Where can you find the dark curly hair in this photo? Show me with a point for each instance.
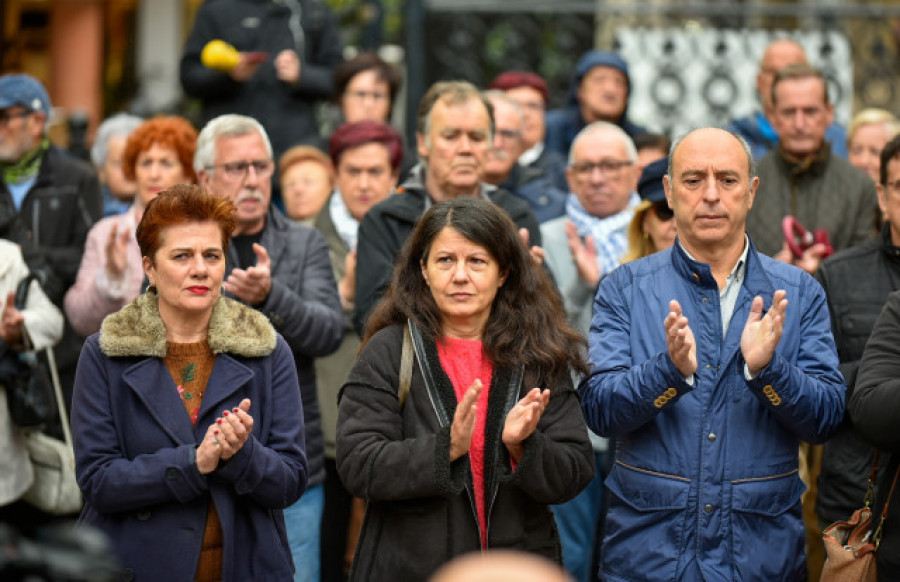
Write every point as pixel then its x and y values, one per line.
pixel 527 324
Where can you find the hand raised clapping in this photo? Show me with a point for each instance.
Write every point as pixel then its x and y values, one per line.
pixel 225 437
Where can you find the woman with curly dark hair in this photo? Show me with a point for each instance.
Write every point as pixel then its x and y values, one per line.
pixel 465 447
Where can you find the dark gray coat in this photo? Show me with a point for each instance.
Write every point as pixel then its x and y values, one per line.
pixel 304 307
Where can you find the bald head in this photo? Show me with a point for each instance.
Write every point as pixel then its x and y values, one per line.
pixel 500 566
pixel 710 189
pixel 779 54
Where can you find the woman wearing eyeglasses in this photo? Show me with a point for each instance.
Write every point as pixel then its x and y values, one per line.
pixel 652 228
pixel 158 155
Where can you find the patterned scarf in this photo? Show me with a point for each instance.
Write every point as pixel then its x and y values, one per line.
pixel 27 166
pixel 610 233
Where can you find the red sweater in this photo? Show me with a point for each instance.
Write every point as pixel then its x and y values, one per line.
pixel 464 361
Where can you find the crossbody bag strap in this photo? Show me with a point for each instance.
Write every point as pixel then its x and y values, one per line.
pixel 21 298
pixel 406 364
pixel 879 531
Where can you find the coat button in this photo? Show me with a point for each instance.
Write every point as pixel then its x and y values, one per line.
pixel 128 575
pixel 708 508
pixel 143 515
pixel 704 300
pixel 712 437
pixel 671 392
pixel 171 474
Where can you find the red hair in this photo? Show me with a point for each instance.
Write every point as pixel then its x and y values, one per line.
pixel 168 131
pixel 351 135
pixel 515 79
pixel 178 205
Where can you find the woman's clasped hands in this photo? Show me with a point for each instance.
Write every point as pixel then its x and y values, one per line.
pixel 225 437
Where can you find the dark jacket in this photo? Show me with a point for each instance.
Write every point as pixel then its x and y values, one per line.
pixel 51 227
pixel 827 193
pixel 287 112
pixel 857 282
pixel 421 509
pixel 761 140
pixel 304 307
pixel 534 185
pixel 875 409
pixel 386 226
pixel 565 123
pixel 135 447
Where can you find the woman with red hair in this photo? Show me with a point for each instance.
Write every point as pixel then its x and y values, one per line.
pixel 186 415
pixel 158 154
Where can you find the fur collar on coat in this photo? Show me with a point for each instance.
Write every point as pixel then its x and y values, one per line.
pixel 138 330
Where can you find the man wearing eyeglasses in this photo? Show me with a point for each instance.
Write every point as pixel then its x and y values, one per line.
pixel 48 201
pixel 283 270
pixel 581 246
pixel 502 169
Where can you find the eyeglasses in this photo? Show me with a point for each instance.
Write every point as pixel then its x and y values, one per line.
pixel 363 95
pixel 610 168
pixel 7 116
pixel 238 170
pixel 509 134
pixel 663 212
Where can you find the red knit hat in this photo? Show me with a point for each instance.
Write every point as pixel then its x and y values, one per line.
pixel 513 79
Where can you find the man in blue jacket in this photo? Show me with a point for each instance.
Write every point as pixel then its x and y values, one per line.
pixel 708 381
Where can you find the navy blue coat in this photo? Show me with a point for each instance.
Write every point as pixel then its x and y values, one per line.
pixel 135 446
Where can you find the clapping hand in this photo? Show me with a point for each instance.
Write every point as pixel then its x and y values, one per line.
pixel 584 255
pixel 12 321
pixel 116 252
pixel 523 419
pixel 680 340
pixel 463 426
pixel 763 332
pixel 252 285
pixel 225 437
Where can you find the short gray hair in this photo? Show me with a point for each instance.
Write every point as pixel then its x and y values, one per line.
pixel 119 125
pixel 604 127
pixel 228 125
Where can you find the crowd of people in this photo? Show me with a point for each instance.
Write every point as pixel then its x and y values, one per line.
pixel 296 350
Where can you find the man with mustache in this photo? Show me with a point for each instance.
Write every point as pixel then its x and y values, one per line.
pixel 283 270
pixel 455 131
pixel 802 177
pixel 710 362
pixel 530 183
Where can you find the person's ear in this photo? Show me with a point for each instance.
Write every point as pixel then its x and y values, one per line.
pixel 147 265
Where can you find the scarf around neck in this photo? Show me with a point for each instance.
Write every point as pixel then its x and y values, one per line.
pixel 25 167
pixel 610 234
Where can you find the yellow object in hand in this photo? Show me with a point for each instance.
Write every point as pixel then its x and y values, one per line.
pixel 219 55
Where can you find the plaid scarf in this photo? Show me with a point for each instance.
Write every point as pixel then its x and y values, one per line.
pixel 610 234
pixel 25 167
